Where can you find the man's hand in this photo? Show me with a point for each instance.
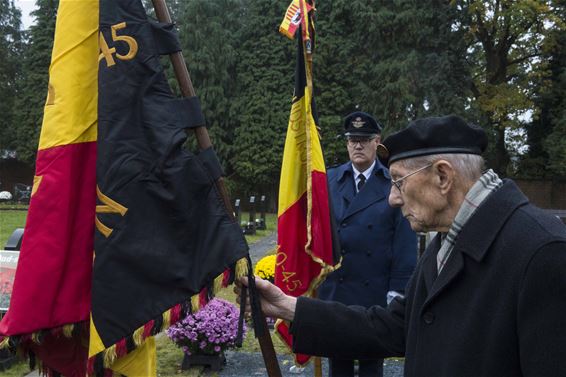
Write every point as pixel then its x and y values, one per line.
pixel 274 303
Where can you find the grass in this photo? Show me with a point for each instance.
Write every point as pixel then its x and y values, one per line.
pixel 270 223
pixel 19 369
pixel 9 221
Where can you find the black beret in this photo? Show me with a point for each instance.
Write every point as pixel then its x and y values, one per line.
pixel 437 135
pixel 359 123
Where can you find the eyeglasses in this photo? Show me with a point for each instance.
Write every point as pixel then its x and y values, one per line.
pixel 362 141
pixel 399 182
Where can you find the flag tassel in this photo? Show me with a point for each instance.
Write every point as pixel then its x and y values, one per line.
pixel 99 365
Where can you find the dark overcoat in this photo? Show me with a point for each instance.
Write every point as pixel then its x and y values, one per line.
pixel 498 308
pixel 379 249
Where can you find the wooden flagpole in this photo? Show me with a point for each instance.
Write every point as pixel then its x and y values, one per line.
pixel 203 140
pixel 317 366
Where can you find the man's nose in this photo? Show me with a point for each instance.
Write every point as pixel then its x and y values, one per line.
pixel 395 199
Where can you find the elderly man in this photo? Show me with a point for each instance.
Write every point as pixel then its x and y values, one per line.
pixel 488 296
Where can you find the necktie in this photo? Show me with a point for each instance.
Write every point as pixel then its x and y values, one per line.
pixel 361 182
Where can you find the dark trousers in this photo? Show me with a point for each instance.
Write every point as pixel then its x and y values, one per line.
pixel 345 368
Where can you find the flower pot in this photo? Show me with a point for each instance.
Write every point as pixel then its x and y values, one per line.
pixel 215 362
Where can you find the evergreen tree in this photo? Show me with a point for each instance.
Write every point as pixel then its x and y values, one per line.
pixel 398 60
pixel 208 31
pixel 35 72
pixel 265 86
pixel 11 45
pixel 341 78
pixel 418 64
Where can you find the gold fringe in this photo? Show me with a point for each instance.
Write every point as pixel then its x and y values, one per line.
pixel 195 305
pixel 35 338
pixel 166 319
pixel 242 268
pixel 109 356
pixel 217 286
pixel 138 336
pixel 4 343
pixel 68 330
pixel 110 353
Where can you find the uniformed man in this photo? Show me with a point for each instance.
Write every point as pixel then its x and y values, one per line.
pixel 378 246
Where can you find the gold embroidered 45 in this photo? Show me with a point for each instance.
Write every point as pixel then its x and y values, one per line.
pixel 107 52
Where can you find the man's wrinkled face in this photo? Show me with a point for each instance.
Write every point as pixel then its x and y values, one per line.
pixel 414 191
pixel 362 150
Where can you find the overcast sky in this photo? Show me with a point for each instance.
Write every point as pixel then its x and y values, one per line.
pixel 26 6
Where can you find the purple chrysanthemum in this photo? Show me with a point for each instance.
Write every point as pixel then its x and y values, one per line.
pixel 211 330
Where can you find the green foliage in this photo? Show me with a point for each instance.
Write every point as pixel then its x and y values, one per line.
pixel 35 72
pixel 265 86
pixel 11 44
pixel 490 61
pixel 551 144
pixel 505 43
pixel 340 72
pixel 547 147
pixel 208 32
pixel 417 61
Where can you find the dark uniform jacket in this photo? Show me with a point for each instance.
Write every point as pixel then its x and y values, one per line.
pixel 378 246
pixel 498 308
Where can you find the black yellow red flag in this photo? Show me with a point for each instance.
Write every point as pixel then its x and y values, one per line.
pixel 163 235
pixel 306 238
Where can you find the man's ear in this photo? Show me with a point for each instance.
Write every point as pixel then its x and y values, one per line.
pixel 444 175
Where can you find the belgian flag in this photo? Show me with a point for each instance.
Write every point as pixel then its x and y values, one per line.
pixel 307 243
pixel 126 228
pixel 50 303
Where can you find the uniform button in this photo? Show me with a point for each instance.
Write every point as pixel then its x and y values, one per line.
pixel 340 280
pixel 428 318
pixel 343 252
pixel 366 283
pixel 344 224
pixel 368 253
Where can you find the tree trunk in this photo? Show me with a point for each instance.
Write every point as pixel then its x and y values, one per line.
pixel 501 155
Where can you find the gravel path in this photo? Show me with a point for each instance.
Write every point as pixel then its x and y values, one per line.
pixel 241 364
pixel 258 249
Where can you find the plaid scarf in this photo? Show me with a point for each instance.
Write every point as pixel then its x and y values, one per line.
pixel 488 183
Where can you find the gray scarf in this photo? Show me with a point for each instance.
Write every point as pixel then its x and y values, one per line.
pixel 488 183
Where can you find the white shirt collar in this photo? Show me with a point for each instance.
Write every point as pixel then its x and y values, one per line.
pixel 366 173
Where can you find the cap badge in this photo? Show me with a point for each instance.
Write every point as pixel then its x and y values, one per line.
pixel 358 122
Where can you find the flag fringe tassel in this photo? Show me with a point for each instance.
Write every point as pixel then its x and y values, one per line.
pixel 14 341
pixel 99 364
